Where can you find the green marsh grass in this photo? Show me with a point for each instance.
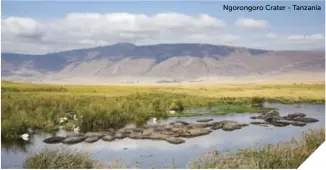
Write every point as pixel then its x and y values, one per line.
pixel 288 155
pixel 56 159
pixel 40 106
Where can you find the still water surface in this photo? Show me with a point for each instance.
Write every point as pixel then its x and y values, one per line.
pixel 158 154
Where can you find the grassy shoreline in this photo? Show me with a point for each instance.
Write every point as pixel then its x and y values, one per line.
pixel 289 155
pixel 41 106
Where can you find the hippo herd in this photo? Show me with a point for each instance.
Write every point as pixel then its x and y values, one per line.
pixel 273 118
pixel 176 132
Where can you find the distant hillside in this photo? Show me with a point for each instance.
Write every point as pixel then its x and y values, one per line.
pixel 162 63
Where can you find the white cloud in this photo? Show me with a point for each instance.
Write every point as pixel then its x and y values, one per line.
pixel 296 42
pixel 79 30
pixel 271 35
pixel 251 23
pixel 306 37
pixel 20 26
pixel 84 30
pixel 296 37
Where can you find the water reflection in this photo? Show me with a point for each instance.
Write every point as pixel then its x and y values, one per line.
pixel 153 154
pixel 15 146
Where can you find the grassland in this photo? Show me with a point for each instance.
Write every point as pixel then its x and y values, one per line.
pixel 40 106
pixel 288 155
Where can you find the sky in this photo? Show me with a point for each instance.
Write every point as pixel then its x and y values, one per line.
pixel 38 27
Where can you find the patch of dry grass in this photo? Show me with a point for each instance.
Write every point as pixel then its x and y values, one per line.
pixel 291 91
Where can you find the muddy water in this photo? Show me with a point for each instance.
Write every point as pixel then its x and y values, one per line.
pixel 157 154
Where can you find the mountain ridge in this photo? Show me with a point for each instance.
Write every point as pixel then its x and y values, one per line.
pixel 184 61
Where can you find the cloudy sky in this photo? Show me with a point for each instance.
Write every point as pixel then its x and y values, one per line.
pixel 40 27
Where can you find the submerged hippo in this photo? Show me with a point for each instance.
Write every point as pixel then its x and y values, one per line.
pixel 73 140
pixel 306 119
pixel 92 139
pixel 54 139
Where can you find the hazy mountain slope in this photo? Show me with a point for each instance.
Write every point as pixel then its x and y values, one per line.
pixel 127 67
pixel 162 61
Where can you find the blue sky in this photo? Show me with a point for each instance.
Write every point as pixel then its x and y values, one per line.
pixel 279 25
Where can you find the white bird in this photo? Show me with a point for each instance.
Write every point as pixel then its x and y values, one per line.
pixel 154 120
pixel 63 119
pixel 25 136
pixel 76 128
pixel 172 111
pixel 75 117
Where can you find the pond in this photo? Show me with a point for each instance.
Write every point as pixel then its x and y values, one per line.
pixel 159 154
